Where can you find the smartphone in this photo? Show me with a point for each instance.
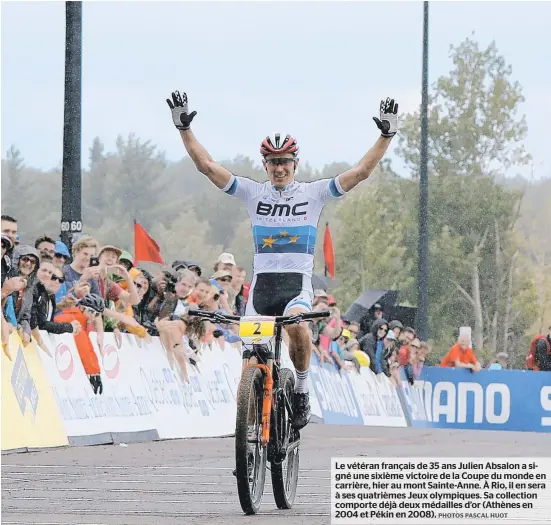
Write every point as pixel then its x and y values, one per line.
pixel 94 261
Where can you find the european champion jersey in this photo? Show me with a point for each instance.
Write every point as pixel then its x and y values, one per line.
pixel 284 222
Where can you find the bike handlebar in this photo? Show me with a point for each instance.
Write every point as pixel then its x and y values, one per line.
pixel 279 320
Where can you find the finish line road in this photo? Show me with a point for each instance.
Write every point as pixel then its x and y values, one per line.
pixel 190 481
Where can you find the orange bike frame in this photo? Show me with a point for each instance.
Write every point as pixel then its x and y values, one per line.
pixel 266 402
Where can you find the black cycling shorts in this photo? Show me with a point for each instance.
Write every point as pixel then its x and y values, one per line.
pixel 274 294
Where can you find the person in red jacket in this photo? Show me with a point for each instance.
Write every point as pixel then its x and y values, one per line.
pixel 88 312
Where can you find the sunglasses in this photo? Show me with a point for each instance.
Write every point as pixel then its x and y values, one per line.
pixel 226 279
pixel 26 259
pixel 60 279
pixel 91 311
pixel 60 256
pixel 279 162
pixel 382 329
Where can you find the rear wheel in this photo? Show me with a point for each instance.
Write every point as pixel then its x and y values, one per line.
pixel 250 455
pixel 285 473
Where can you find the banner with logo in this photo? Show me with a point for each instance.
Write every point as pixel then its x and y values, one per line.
pixel 124 405
pixel 378 399
pixel 30 416
pixel 335 393
pixel 489 400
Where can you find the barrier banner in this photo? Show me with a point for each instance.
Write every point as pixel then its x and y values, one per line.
pixel 124 405
pixel 516 400
pixel 335 393
pixel 30 417
pixel 204 407
pixel 377 398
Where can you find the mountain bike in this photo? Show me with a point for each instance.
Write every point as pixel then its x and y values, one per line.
pixel 263 427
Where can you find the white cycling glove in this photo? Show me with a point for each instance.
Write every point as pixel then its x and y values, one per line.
pixel 388 121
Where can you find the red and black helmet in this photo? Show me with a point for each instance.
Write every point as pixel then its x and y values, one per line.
pixel 273 145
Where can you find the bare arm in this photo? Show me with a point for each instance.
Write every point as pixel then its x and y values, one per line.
pixel 351 178
pixel 217 174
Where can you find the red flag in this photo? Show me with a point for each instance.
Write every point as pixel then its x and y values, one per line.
pixel 145 247
pixel 328 254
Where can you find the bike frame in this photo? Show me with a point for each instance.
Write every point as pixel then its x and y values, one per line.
pixel 271 379
pixel 262 353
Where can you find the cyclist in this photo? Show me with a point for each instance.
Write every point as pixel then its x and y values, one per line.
pixel 284 215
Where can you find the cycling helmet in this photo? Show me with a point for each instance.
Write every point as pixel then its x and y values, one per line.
pixel 273 144
pixel 93 301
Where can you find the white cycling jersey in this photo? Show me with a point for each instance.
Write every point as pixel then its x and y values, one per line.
pixel 284 221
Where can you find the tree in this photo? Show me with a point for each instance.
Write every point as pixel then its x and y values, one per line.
pixel 475 135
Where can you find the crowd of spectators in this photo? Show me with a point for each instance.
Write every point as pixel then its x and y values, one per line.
pixel 97 287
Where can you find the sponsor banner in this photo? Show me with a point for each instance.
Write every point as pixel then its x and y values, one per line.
pixel 335 393
pixel 124 405
pixel 204 407
pixel 377 398
pixel 489 400
pixel 30 416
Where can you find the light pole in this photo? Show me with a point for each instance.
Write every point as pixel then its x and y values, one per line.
pixel 422 314
pixel 71 191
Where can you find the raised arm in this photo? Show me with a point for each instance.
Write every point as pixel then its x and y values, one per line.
pixel 388 124
pixel 204 163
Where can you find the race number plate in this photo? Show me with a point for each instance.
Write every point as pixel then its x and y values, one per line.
pixel 256 329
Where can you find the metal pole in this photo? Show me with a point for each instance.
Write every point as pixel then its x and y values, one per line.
pixel 422 319
pixel 71 194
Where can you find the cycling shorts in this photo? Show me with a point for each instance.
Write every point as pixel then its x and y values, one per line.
pixel 275 294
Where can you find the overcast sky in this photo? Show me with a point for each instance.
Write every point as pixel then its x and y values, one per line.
pixel 315 69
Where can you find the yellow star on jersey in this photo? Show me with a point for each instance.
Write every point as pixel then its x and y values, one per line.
pixel 283 234
pixel 294 238
pixel 269 242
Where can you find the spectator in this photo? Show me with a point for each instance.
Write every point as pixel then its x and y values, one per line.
pixel 7 250
pixel 142 285
pixel 372 344
pixel 200 292
pixel 88 313
pixel 237 291
pixel 354 329
pixel 424 352
pixel 44 304
pixel 461 355
pixel 9 228
pixel 61 254
pixel 222 280
pixel 226 261
pixel 499 362
pixel 160 286
pixel 109 289
pixel 542 353
pixel 125 259
pixel 171 323
pixel 45 246
pixel 396 326
pixel 26 261
pixel 407 335
pixel 83 266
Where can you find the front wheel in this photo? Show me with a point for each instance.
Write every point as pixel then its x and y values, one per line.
pixel 285 473
pixel 250 455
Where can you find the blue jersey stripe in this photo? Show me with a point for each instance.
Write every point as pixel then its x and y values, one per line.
pixel 232 189
pixel 277 239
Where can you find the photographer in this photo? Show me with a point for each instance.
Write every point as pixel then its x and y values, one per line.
pixel 162 284
pixel 171 324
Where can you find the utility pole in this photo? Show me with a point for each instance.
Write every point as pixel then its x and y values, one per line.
pixel 423 314
pixel 71 184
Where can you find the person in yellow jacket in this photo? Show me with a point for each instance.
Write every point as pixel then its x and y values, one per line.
pixel 142 285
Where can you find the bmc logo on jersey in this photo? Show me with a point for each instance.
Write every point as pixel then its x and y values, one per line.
pixel 281 210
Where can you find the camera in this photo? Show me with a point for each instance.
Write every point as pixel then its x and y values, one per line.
pixel 170 281
pixel 94 261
